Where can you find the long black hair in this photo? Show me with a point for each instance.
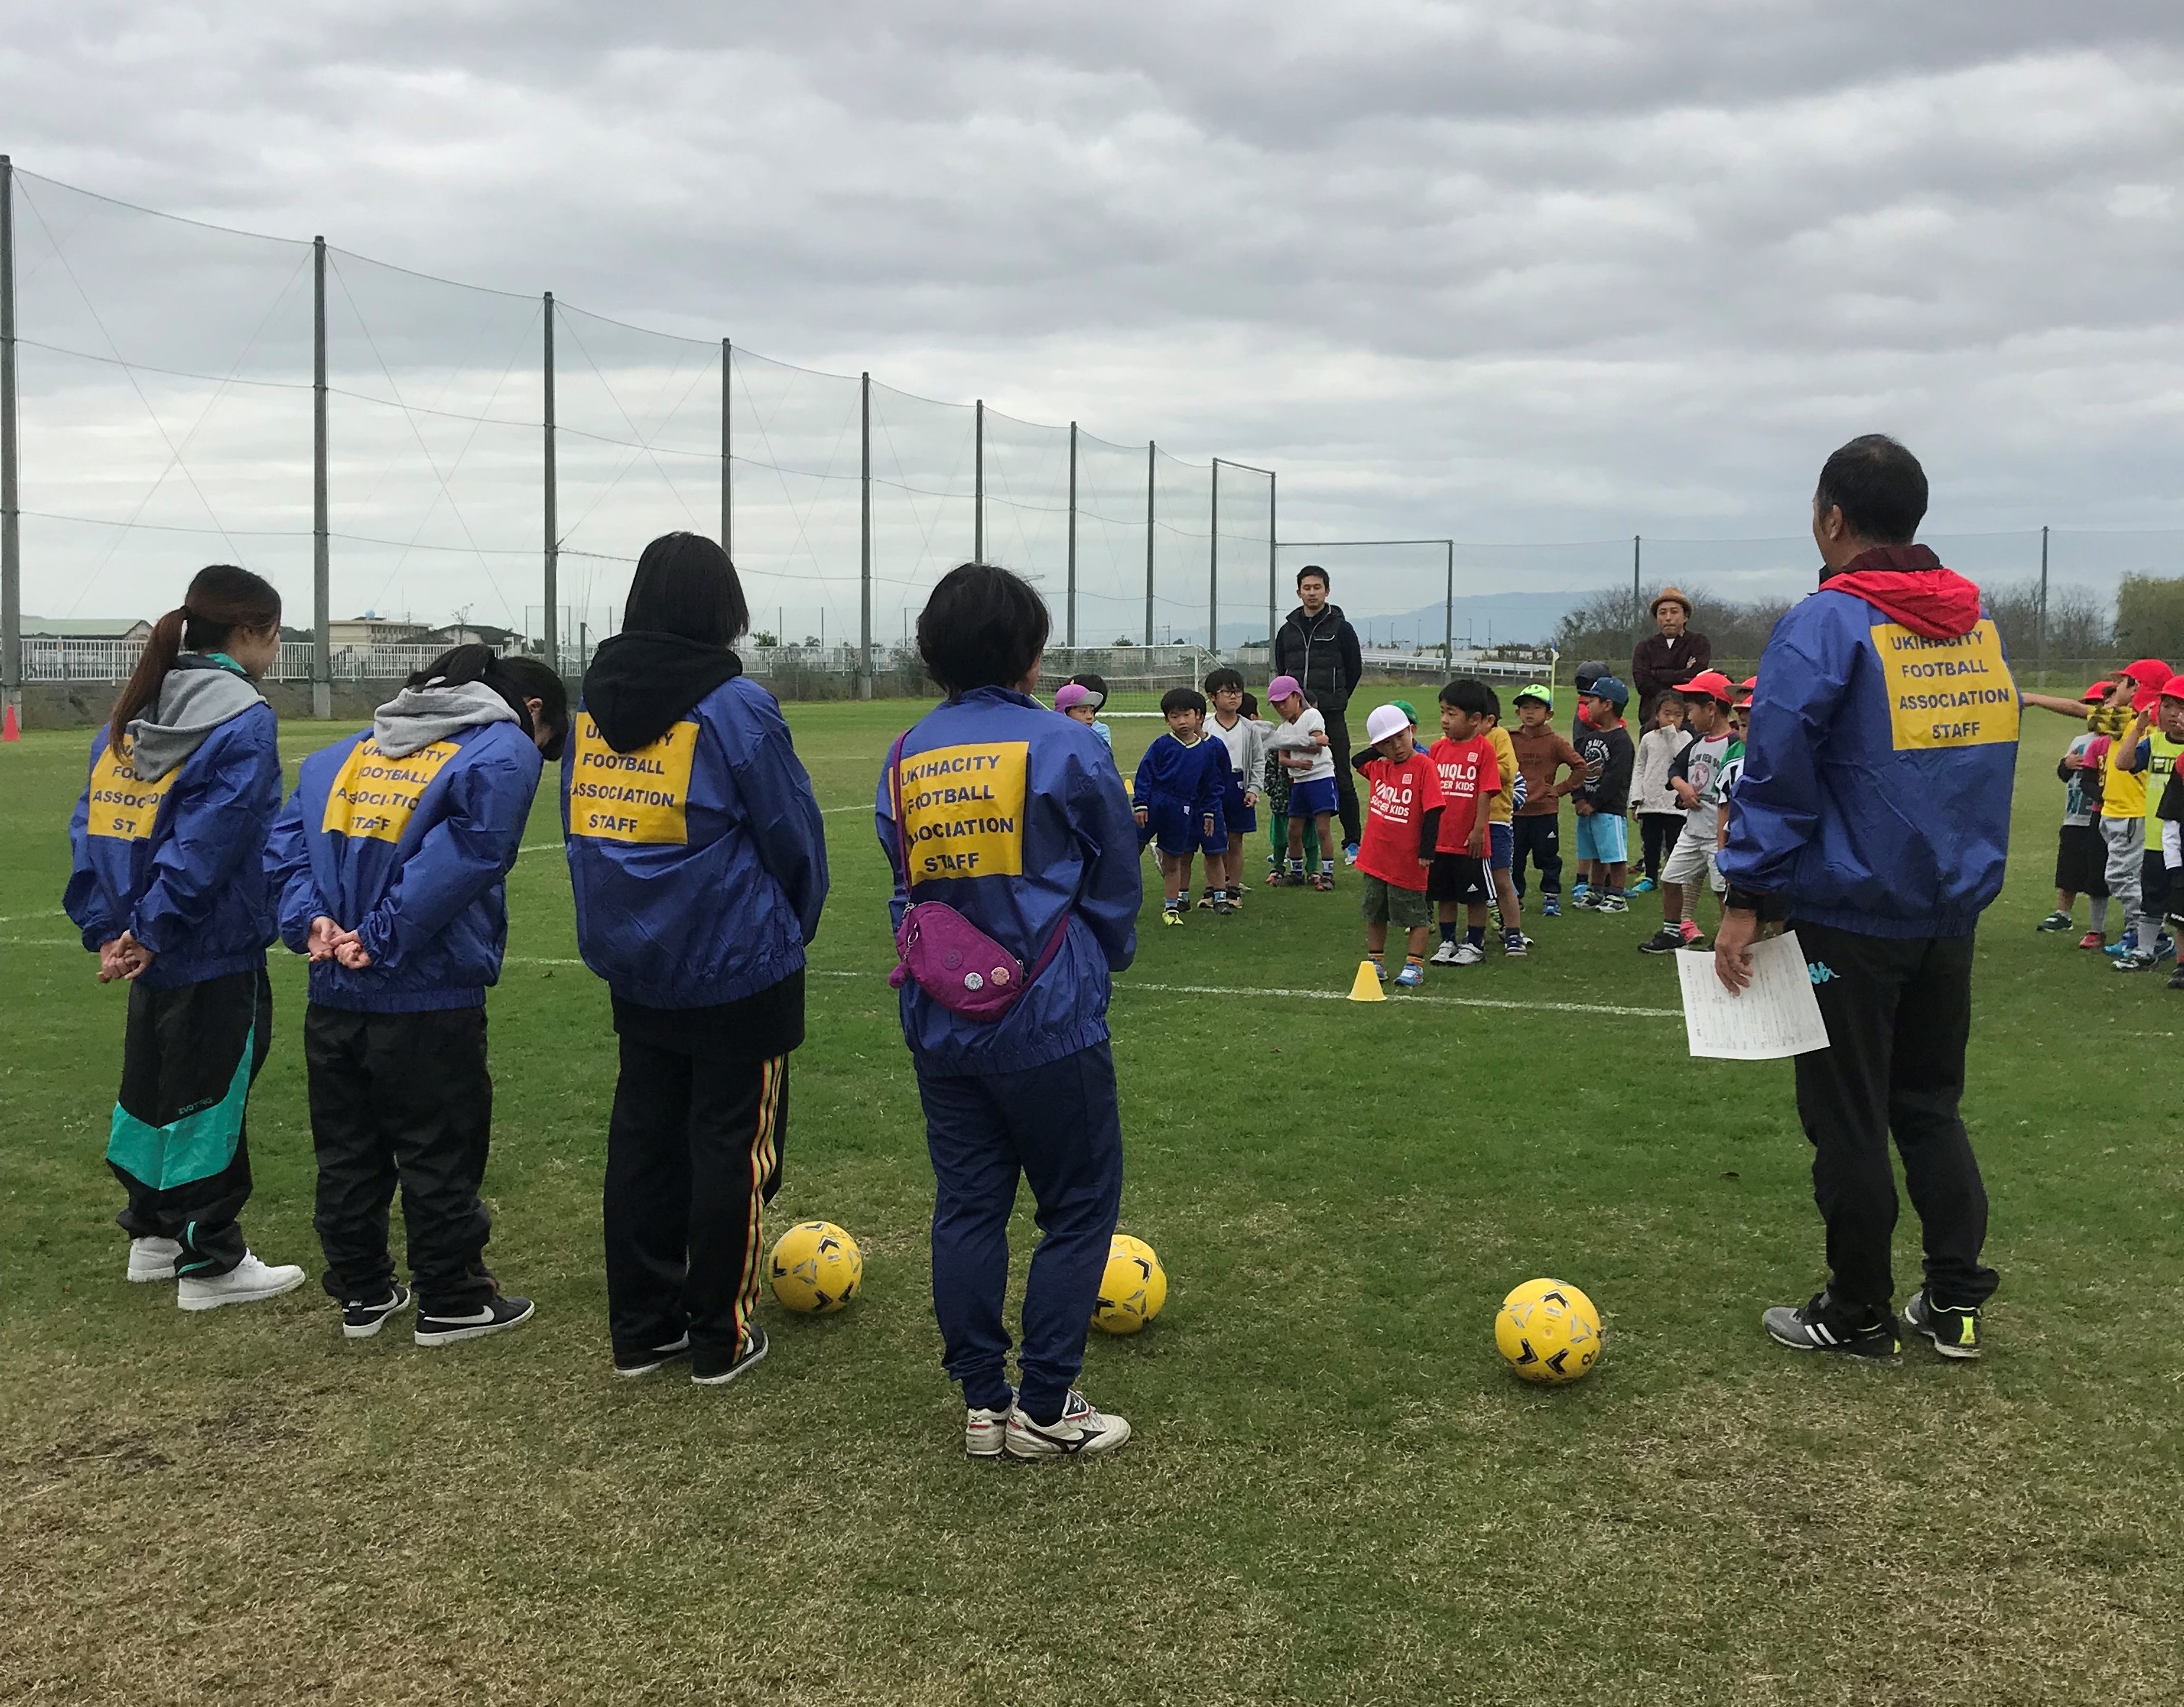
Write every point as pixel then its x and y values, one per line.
pixel 221 600
pixel 517 680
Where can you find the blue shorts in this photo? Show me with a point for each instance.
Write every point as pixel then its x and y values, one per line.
pixel 1603 836
pixel 1501 846
pixel 1178 833
pixel 1309 799
pixel 1241 819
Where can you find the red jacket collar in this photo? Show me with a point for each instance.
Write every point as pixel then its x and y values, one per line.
pixel 1908 583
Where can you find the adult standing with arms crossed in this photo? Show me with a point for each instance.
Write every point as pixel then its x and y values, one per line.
pixel 1317 646
pixel 1873 816
pixel 1016 862
pixel 1662 660
pixel 698 859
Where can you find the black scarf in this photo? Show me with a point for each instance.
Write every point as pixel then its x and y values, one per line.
pixel 642 684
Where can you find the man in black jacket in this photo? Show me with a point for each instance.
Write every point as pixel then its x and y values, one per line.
pixel 1318 647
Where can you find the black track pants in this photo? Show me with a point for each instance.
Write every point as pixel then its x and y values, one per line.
pixel 1898 1013
pixel 402 1099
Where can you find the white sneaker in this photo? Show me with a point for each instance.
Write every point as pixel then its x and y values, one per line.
pixel 1444 955
pixel 153 1259
pixel 1081 1432
pixel 246 1283
pixel 984 1430
pixel 1470 954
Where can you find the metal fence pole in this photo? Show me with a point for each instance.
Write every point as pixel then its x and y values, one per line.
pixel 2044 600
pixel 1070 629
pixel 728 473
pixel 552 635
pixel 1273 593
pixel 1152 450
pixel 979 486
pixel 727 431
pixel 11 541
pixel 865 609
pixel 322 660
pixel 1213 567
pixel 1637 591
pixel 1448 610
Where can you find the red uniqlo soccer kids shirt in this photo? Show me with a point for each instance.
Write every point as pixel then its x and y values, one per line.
pixel 1403 792
pixel 1467 773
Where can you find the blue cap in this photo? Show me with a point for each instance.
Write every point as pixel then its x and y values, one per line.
pixel 1608 689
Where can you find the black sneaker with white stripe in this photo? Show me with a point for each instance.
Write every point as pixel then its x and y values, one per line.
pixel 705 1372
pixel 362 1318
pixel 498 1316
pixel 658 1357
pixel 1823 1325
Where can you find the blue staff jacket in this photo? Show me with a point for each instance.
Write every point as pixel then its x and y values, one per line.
pixel 1015 815
pixel 1877 771
pixel 413 855
pixel 181 862
pixel 699 862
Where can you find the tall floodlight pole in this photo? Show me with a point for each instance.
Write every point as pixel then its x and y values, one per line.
pixel 1273 595
pixel 11 540
pixel 322 663
pixel 728 471
pixel 1213 567
pixel 1448 611
pixel 552 636
pixel 1152 450
pixel 1070 629
pixel 865 601
pixel 2042 650
pixel 727 434
pixel 1637 590
pixel 978 484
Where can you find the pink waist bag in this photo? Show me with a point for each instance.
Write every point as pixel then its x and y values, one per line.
pixel 949 958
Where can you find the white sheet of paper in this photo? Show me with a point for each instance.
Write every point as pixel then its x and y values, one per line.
pixel 1775 1016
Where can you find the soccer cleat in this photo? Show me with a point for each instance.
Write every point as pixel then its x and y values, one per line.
pixel 1580 893
pixel 1445 954
pixel 1806 1328
pixel 753 1350
pixel 2092 939
pixel 1611 904
pixel 362 1318
pixel 2125 944
pixel 1411 976
pixel 1323 881
pixel 1224 907
pixel 247 1282
pixel 1696 944
pixel 2055 921
pixel 1171 915
pixel 153 1259
pixel 985 1430
pixel 1550 908
pixel 2136 961
pixel 645 1363
pixel 1350 853
pixel 1514 945
pixel 1080 1431
pixel 1471 954
pixel 497 1316
pixel 1665 940
pixel 2164 947
pixel 1955 1333
pixel 1379 967
pixel 1206 900
pixel 1645 885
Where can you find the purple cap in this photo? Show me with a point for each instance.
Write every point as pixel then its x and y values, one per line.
pixel 1073 693
pixel 1281 688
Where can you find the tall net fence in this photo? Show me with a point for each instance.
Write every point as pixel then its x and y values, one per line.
pixel 495 462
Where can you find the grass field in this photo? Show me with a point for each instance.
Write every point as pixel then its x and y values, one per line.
pixel 1337 1493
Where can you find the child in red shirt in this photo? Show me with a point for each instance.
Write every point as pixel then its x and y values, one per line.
pixel 1470 777
pixel 1402 821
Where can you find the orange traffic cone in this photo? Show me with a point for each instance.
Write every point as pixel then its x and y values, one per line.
pixel 10 730
pixel 1366 986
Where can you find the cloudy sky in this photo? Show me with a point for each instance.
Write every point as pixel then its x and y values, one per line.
pixel 1565 271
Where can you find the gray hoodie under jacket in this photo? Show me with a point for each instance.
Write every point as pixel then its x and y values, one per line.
pixel 416 717
pixel 197 697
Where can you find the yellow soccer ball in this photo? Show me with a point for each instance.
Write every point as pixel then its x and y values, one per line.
pixel 1133 1288
pixel 1549 1331
pixel 817 1268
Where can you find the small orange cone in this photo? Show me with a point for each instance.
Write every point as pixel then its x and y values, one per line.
pixel 1366 986
pixel 10 730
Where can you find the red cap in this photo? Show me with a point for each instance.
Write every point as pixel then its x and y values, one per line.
pixel 2097 694
pixel 2147 672
pixel 2149 693
pixel 1711 682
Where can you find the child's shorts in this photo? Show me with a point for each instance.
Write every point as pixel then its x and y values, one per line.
pixel 1457 877
pixel 1500 845
pixel 1309 799
pixel 2082 861
pixel 1692 859
pixel 1240 819
pixel 1602 836
pixel 1388 903
pixel 1178 833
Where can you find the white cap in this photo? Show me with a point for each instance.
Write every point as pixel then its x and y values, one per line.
pixel 1384 722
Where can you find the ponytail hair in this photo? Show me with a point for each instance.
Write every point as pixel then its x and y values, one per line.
pixel 517 680
pixel 221 600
